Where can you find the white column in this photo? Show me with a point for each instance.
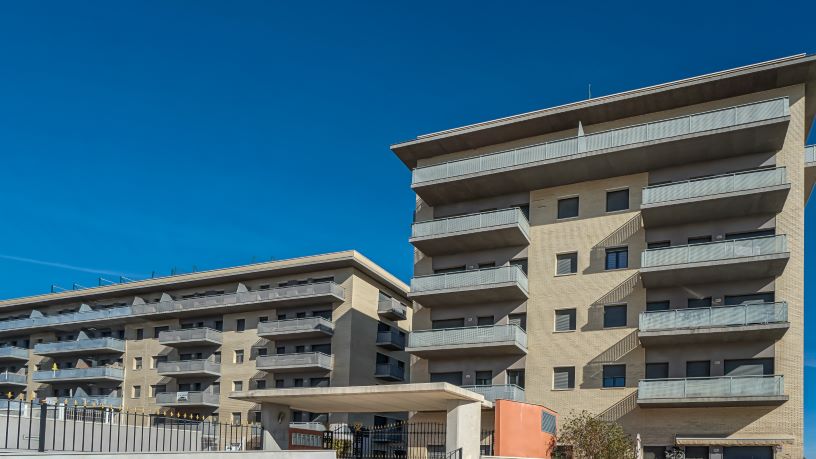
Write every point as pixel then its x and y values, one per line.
pixel 464 422
pixel 275 420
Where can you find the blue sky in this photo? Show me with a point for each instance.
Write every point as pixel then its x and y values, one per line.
pixel 141 136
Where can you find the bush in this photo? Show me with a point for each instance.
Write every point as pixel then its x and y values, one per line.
pixel 593 438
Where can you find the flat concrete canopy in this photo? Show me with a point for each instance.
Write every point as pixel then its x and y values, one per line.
pixel 365 399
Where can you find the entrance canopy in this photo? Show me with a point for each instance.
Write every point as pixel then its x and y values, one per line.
pixel 365 399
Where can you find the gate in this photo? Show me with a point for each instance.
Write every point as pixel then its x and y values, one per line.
pixel 404 440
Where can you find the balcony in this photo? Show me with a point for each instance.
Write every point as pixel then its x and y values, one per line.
pixel 87 400
pixel 11 353
pixel 474 341
pixel 810 169
pixel 716 391
pixel 501 392
pixel 68 321
pixel 736 130
pixel 191 399
pixel 304 361
pixel 190 337
pixel 760 191
pixel 391 339
pixel 80 374
pixel 743 322
pixel 81 346
pixel 279 297
pixel 390 308
pixel 505 283
pixel 12 379
pixel 738 259
pixel 306 327
pixel 204 367
pixel 389 372
pixel 468 233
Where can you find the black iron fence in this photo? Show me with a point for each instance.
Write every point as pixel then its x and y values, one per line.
pixel 35 425
pixel 486 443
pixel 400 440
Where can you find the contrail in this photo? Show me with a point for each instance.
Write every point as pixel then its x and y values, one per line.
pixel 66 266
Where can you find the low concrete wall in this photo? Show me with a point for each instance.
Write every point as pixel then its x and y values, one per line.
pixel 321 454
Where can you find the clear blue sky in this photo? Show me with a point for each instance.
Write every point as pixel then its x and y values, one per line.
pixel 141 136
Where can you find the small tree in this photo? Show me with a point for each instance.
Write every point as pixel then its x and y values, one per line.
pixel 593 438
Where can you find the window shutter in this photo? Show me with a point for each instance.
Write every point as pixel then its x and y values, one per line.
pixel 565 320
pixel 564 378
pixel 567 263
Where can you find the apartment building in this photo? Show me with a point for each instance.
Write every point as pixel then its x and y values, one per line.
pixel 638 255
pixel 183 343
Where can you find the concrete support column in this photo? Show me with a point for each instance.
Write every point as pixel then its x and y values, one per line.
pixel 464 422
pixel 275 420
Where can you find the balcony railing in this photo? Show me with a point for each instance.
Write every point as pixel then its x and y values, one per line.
pixel 714 185
pixel 470 279
pixel 482 336
pixel 391 338
pixel 500 392
pixel 11 352
pixel 70 318
pixel 12 378
pixel 389 371
pixel 87 400
pixel 810 154
pixel 655 131
pixel 190 335
pixel 722 316
pixel 714 251
pixel 189 366
pixel 479 221
pixel 305 425
pixel 714 387
pixel 297 360
pixel 303 324
pixel 82 345
pixel 78 374
pixel 187 398
pixel 391 308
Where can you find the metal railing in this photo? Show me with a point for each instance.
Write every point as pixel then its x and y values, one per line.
pixel 478 221
pixel 316 426
pixel 389 370
pixel 109 401
pixel 470 279
pixel 69 374
pixel 189 366
pixel 187 398
pixel 391 337
pixel 190 334
pixel 61 319
pixel 713 185
pixel 387 305
pixel 720 316
pixel 13 352
pixel 714 251
pixel 467 336
pixel 90 344
pixel 13 378
pixel 654 131
pixel 720 386
pixel 810 153
pixel 294 325
pixel 301 359
pixel 499 392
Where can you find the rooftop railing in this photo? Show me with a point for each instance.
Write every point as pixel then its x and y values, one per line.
pixel 720 316
pixel 557 149
pixel 295 325
pixel 499 392
pixel 60 319
pixel 810 153
pixel 80 374
pixel 482 335
pixel 714 185
pixel 90 344
pixel 478 221
pixel 187 398
pixel 714 251
pixel 470 279
pixel 713 387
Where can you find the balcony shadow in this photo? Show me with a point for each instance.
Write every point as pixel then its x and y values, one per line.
pixel 620 294
pixel 620 237
pixel 618 353
pixel 620 409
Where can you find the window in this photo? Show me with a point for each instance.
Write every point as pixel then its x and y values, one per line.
pixel 563 378
pixel 615 316
pixel 454 378
pixel 260 384
pixel 617 200
pixel 281 316
pixel 697 452
pixel 614 375
pixel 239 356
pixel 139 333
pixel 519 320
pixel 137 392
pixel 447 323
pixel 699 303
pixel 256 417
pixel 658 306
pixel 617 258
pixel 236 419
pixel 654 452
pixel 564 320
pixel 750 234
pixel 280 350
pixel 515 378
pixel 455 269
pixel 568 207
pixel 263 319
pixel 566 263
pixel 298 382
pixel 657 370
pixel 158 389
pixel 698 369
pixel 262 352
pixel 521 263
pixel 279 383
pixel 658 245
pixel 219 325
pixel 699 240
pixel 319 382
pixel 157 330
pixel 157 359
pixel 237 386
pixel 484 321
pixel 240 325
pixel 137 363
pixel 752 298
pixel 484 378
pixel 486 265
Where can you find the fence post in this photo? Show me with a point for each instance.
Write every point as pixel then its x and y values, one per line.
pixel 43 424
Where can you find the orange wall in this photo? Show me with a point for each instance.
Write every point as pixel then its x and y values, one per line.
pixel 518 431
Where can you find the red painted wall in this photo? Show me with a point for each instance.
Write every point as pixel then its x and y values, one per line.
pixel 518 431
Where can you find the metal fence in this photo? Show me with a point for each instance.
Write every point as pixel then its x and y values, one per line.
pixel 721 316
pixel 629 135
pixel 471 222
pixel 718 184
pixel 499 392
pixel 39 426
pixel 467 336
pixel 722 386
pixel 471 278
pixel 402 440
pixel 810 154
pixel 713 251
